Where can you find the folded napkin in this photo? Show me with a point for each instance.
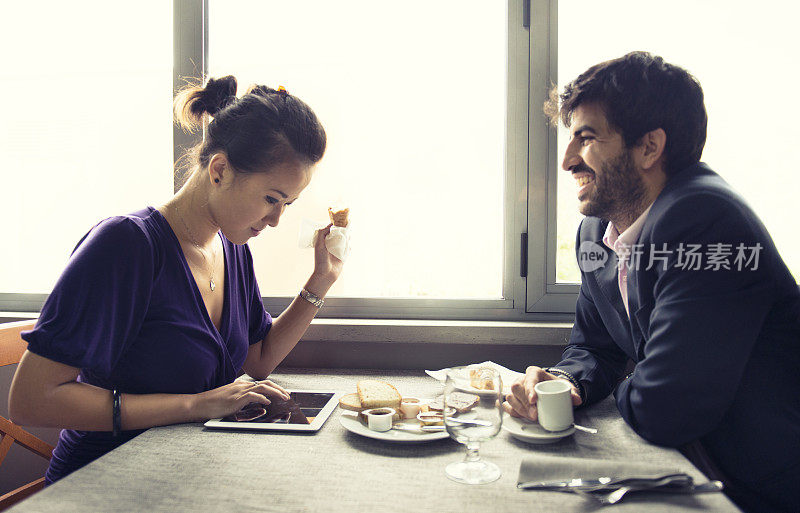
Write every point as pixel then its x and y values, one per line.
pixel 507 375
pixel 555 468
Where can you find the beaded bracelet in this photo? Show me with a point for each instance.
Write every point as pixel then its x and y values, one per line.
pixel 569 377
pixel 116 420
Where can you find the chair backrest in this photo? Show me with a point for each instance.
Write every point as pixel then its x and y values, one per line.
pixel 11 344
pixel 11 348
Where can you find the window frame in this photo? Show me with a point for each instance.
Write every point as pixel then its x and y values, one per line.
pixel 544 292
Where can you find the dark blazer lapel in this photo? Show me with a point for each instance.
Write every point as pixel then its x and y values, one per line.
pixel 636 320
pixel 606 277
pixel 608 297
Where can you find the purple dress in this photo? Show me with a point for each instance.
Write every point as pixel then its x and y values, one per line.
pixel 128 313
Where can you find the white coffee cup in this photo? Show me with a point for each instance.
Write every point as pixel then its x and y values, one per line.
pixel 554 404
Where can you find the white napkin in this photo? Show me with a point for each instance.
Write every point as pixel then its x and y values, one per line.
pixel 337 241
pixel 561 467
pixel 507 375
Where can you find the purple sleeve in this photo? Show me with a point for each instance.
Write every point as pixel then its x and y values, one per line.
pixel 98 303
pixel 260 319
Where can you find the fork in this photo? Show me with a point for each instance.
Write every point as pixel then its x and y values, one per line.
pixel 614 496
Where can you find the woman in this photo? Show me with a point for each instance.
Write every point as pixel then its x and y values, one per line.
pixel 158 311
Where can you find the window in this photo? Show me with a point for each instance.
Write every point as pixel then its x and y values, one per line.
pixel 425 109
pixel 739 56
pixel 437 139
pixel 85 130
pixel 414 103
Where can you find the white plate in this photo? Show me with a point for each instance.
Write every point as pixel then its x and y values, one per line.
pixel 350 422
pixel 532 432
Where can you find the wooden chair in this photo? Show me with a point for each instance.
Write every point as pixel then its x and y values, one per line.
pixel 11 349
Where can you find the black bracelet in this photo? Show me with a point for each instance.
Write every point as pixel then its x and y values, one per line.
pixel 116 420
pixel 569 377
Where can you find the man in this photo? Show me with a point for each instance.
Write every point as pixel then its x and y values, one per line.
pixel 679 276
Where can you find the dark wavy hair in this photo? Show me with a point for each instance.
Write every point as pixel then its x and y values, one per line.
pixel 639 92
pixel 263 128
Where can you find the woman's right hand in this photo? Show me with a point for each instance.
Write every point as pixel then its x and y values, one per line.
pixel 230 398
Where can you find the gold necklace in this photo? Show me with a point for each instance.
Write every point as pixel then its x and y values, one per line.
pixel 192 239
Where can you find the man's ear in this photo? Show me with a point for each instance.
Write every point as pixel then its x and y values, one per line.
pixel 218 168
pixel 652 147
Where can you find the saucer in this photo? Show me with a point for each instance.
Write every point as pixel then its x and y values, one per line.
pixel 532 432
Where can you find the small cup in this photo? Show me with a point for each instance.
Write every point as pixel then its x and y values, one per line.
pixel 410 407
pixel 554 404
pixel 380 419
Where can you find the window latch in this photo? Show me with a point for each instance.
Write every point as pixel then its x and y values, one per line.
pixel 523 255
pixel 526 14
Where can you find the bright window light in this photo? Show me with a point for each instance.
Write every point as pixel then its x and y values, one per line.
pixel 739 55
pixel 413 98
pixel 85 131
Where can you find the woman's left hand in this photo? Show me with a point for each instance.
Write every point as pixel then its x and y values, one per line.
pixel 326 266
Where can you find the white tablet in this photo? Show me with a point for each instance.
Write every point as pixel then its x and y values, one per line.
pixel 306 410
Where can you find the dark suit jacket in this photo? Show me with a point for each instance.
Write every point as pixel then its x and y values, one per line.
pixel 716 352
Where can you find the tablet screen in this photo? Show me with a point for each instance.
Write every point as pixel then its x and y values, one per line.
pixel 300 408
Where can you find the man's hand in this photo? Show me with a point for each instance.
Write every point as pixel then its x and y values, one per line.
pixel 521 402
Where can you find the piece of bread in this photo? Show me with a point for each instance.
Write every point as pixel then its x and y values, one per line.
pixel 339 218
pixel 373 393
pixel 350 402
pixel 481 378
pixel 460 401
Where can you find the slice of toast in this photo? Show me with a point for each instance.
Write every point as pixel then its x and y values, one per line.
pixel 460 401
pixel 373 393
pixel 350 402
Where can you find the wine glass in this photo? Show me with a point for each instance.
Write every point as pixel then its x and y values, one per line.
pixel 473 425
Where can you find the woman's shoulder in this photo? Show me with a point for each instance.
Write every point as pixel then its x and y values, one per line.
pixel 134 233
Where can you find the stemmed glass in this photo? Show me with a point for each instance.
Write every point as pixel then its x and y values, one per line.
pixel 475 424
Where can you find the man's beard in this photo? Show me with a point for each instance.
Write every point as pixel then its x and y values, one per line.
pixel 618 191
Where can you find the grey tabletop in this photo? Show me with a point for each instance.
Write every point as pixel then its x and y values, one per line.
pixel 187 467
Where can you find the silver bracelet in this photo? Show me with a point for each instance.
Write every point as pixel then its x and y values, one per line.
pixel 312 298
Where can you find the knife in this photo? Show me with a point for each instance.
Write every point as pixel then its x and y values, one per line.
pixel 470 422
pixel 418 429
pixel 572 483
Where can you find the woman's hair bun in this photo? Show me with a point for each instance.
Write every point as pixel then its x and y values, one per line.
pixel 218 94
pixel 193 101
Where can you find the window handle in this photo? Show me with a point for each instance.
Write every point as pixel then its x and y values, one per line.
pixel 526 14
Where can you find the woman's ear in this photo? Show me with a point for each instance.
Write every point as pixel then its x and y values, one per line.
pixel 218 168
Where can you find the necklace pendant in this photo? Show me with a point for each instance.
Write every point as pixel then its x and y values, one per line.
pixel 212 284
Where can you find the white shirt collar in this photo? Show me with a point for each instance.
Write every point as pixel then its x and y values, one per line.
pixel 620 241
